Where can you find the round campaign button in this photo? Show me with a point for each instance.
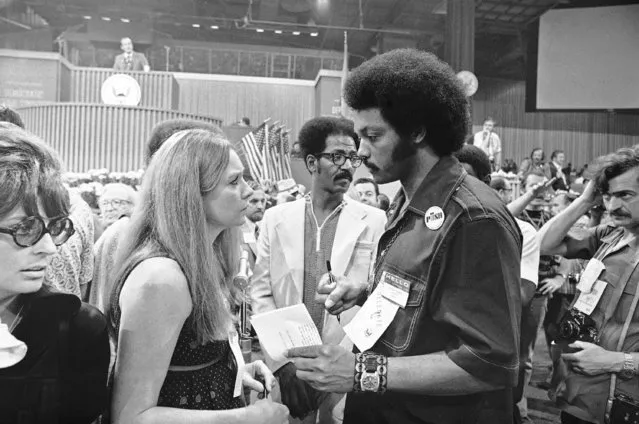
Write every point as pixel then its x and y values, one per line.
pixel 434 218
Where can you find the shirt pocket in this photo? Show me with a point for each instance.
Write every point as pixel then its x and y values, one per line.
pixel 400 333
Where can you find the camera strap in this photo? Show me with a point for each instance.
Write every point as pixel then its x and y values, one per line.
pixel 624 332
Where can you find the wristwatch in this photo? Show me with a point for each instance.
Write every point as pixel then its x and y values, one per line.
pixel 369 382
pixel 628 371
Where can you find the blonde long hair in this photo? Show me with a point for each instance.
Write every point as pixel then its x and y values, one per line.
pixel 170 219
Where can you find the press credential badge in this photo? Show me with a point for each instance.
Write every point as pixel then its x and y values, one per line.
pixel 234 341
pixel 593 270
pixel 371 320
pixel 587 302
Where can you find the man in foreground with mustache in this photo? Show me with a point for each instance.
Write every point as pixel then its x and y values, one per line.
pixel 438 335
pixel 297 241
pixel 605 294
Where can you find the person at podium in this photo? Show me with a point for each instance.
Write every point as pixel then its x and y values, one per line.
pixel 130 60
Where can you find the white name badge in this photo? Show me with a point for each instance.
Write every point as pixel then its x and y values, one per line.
pixel 370 322
pixel 395 289
pixel 590 275
pixel 249 237
pixel 234 341
pixel 587 302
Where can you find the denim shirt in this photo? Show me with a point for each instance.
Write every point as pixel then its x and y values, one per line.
pixel 464 299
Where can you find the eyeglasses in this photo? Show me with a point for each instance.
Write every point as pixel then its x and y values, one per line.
pixel 339 159
pixel 113 203
pixel 30 231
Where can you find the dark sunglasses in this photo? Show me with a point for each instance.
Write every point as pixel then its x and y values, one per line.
pixel 30 230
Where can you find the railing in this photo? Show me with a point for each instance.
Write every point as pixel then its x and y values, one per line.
pixel 93 136
pixel 219 61
pixel 159 89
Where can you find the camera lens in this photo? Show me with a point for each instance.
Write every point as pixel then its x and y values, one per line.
pixel 568 330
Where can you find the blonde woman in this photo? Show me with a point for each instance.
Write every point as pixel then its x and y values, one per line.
pixel 172 299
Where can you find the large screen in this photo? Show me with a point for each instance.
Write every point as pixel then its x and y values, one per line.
pixel 587 59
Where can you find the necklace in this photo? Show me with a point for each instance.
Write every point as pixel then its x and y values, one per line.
pixel 17 319
pixel 536 222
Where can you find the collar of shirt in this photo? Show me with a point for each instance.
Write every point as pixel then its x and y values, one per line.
pixel 249 225
pixel 436 189
pixel 559 171
pixel 438 186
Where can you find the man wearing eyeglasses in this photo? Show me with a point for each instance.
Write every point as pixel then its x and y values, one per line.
pixel 117 200
pixel 296 241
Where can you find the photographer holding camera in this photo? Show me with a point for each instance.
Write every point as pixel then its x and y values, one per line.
pixel 599 336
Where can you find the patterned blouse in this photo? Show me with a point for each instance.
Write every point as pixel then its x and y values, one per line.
pixel 72 266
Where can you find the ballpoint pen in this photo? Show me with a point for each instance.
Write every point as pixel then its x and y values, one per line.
pixel 331 279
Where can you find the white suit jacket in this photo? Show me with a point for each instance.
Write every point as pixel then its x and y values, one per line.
pixel 249 243
pixel 278 277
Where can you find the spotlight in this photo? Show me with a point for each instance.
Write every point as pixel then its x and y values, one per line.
pixel 106 18
pixel 125 20
pixel 215 27
pixel 259 30
pixel 278 31
pixel 314 34
pixel 196 25
pixel 296 33
pixel 87 17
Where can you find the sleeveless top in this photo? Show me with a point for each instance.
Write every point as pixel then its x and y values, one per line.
pixel 210 385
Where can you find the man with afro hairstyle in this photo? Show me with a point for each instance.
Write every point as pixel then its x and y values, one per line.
pixel 437 338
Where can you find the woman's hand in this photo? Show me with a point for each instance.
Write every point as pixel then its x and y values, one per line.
pixel 254 374
pixel 266 412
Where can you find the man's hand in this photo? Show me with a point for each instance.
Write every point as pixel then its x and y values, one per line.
pixel 258 377
pixel 592 359
pixel 297 395
pixel 340 295
pixel 548 286
pixel 327 368
pixel 541 187
pixel 590 195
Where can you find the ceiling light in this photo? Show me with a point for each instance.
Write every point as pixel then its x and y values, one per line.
pixel 296 33
pixel 259 30
pixel 278 31
pixel 215 27
pixel 196 25
pixel 125 20
pixel 106 18
pixel 87 17
pixel 314 34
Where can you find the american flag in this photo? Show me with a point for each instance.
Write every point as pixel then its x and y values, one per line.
pixel 274 160
pixel 286 155
pixel 253 146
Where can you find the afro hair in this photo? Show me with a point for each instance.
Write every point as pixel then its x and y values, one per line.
pixel 414 91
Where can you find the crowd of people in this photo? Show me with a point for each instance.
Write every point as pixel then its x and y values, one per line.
pixel 428 306
pixel 564 174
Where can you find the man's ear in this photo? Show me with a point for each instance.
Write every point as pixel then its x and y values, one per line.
pixel 419 136
pixel 488 179
pixel 311 163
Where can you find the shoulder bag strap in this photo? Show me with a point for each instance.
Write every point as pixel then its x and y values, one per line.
pixel 622 336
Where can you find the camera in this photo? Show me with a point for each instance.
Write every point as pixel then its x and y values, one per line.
pixel 576 325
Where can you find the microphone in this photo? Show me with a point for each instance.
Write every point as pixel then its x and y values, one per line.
pixel 241 278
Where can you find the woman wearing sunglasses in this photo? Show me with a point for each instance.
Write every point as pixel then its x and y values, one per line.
pixel 54 350
pixel 171 306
